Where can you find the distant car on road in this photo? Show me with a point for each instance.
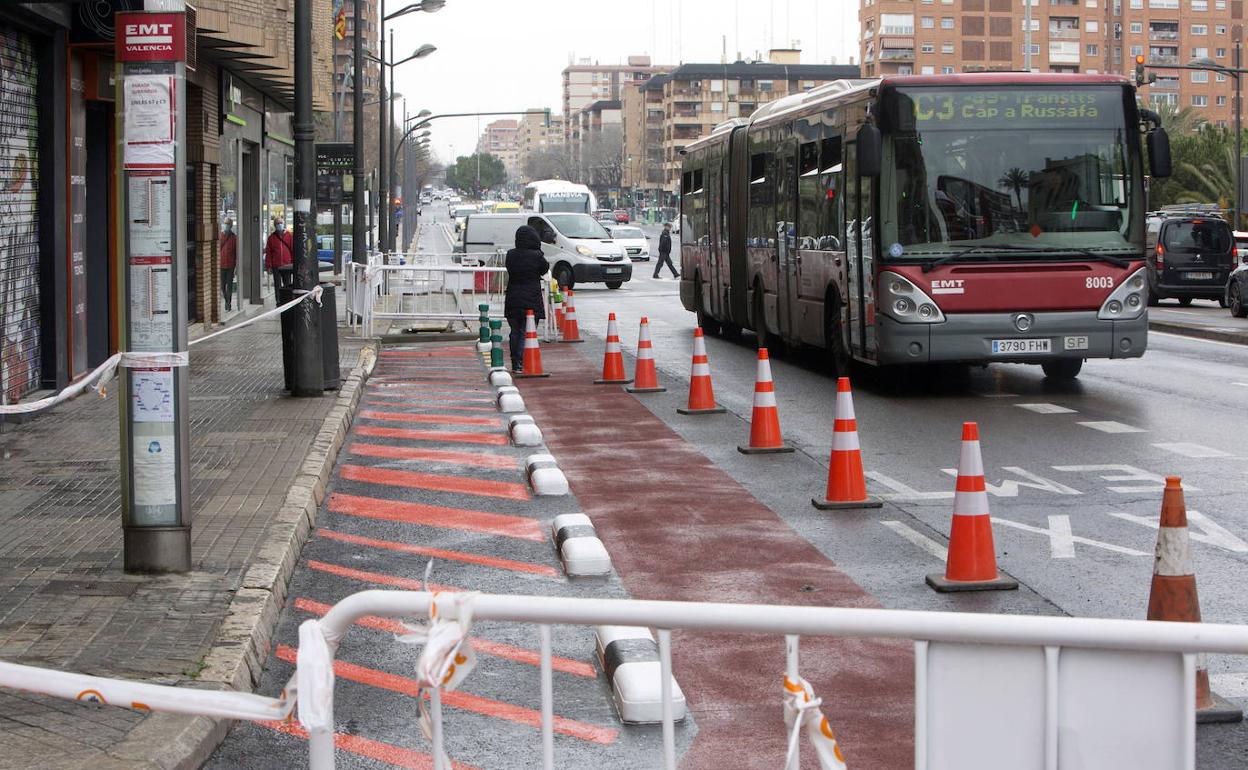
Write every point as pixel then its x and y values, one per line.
pixel 461 214
pixel 1189 256
pixel 621 216
pixel 634 241
pixel 325 250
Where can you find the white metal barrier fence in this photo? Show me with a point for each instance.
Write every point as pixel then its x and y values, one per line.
pixel 991 691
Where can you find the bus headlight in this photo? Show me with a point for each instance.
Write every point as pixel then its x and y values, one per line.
pixel 1127 301
pixel 906 303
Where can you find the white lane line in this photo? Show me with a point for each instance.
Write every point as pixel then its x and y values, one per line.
pixel 1192 450
pixel 919 539
pixel 1230 685
pixel 997 395
pixel 1109 426
pixel 1185 337
pixel 1241 384
pixel 1046 408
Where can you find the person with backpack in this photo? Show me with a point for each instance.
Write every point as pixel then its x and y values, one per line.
pixel 526 264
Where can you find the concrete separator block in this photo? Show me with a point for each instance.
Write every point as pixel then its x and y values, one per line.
pixel 630 658
pixel 580 549
pixel 544 476
pixel 499 377
pixel 509 400
pixel 523 431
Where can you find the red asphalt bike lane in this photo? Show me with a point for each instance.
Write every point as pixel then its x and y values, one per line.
pixel 679 528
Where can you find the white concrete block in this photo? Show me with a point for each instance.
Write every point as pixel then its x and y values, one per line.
pixel 630 657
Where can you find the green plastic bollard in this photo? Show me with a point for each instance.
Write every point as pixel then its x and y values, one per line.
pixel 484 310
pixel 496 344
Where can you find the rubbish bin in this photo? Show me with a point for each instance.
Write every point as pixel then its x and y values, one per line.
pixel 329 338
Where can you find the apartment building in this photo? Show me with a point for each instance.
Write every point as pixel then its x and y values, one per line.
pixel 694 98
pixel 587 81
pixel 533 134
pixel 950 36
pixel 343 49
pixel 501 139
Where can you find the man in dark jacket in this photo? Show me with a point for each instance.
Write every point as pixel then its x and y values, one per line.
pixel 665 252
pixel 525 267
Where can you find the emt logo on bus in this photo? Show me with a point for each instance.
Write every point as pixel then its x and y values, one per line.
pixel 952 286
pixel 967 106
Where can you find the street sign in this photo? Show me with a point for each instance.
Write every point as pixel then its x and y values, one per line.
pixel 334 156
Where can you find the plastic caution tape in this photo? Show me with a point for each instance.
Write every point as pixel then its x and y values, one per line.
pixel 314 678
pixel 801 709
pixel 447 657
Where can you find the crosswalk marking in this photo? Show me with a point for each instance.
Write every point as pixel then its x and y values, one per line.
pixel 1193 450
pixel 1109 426
pixel 1046 408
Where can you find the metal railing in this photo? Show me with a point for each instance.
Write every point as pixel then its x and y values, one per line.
pixel 989 689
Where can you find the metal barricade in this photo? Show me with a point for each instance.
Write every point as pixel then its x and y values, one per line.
pixel 991 691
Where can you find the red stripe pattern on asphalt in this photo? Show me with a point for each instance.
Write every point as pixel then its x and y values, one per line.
pixel 508 490
pixel 440 553
pixel 381 579
pixel 490 439
pixel 474 459
pixel 366 747
pixel 497 649
pixel 417 403
pixel 465 701
pixel 437 516
pixel 435 419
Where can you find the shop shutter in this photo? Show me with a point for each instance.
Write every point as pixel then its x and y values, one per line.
pixel 19 217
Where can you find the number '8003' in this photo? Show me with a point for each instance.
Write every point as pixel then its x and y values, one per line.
pixel 1098 282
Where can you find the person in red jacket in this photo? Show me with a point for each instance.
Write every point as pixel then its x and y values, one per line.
pixel 279 255
pixel 227 249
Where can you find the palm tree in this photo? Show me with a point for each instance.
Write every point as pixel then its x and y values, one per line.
pixel 1015 179
pixel 1212 182
pixel 1179 122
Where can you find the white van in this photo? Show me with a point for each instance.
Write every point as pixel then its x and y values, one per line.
pixel 578 249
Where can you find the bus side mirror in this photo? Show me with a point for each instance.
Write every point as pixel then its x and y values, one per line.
pixel 1159 165
pixel 870 151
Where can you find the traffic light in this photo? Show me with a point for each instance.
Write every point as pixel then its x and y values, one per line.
pixel 1140 77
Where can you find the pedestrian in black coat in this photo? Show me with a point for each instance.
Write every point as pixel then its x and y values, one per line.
pixel 665 252
pixel 525 267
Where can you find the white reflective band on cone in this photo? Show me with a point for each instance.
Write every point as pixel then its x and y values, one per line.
pixel 970 462
pixel 845 441
pixel 314 678
pixel 524 431
pixel 844 406
pixel 545 477
pixel 630 656
pixel 701 370
pixel 1173 557
pixel 765 398
pixel 801 709
pixel 970 504
pixel 763 370
pixel 580 548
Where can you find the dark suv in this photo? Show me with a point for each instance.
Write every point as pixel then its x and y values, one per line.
pixel 1189 257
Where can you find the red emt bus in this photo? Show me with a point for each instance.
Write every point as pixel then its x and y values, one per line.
pixel 911 219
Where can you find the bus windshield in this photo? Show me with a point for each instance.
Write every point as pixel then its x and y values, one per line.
pixel 1023 168
pixel 576 202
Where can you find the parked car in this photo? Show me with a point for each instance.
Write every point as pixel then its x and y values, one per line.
pixel 1237 284
pixel 634 241
pixel 621 216
pixel 1189 256
pixel 325 250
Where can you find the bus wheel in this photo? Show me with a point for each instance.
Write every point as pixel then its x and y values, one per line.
pixel 1062 368
pixel 709 325
pixel 563 276
pixel 834 338
pixel 614 284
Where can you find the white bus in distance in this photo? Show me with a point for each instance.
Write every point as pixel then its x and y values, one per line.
pixel 549 196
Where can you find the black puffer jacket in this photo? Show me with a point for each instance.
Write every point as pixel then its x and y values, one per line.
pixel 525 267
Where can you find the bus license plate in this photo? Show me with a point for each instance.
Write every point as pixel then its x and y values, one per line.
pixel 1200 276
pixel 1011 347
pixel 614 270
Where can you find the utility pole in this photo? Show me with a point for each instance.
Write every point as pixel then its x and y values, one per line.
pixel 359 235
pixel 390 148
pixel 383 175
pixel 307 375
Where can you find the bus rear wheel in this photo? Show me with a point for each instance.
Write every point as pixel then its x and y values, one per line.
pixel 1062 368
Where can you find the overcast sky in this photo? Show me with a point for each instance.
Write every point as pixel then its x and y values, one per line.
pixel 508 54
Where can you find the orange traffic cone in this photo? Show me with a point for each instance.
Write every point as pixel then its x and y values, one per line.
pixel 571 333
pixel 645 375
pixel 613 358
pixel 1173 595
pixel 701 394
pixel 532 352
pixel 972 562
pixel 847 486
pixel 765 420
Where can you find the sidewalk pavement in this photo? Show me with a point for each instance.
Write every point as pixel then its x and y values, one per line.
pixel 1204 319
pixel 259 462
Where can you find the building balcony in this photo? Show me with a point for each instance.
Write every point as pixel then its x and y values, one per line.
pixel 1064 33
pixel 1167 84
pixel 1162 60
pixel 1163 34
pixel 897 54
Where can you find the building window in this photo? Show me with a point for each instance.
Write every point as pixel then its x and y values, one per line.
pixel 1220 77
pixel 1164 4
pixel 928 48
pixel 1219 53
pixel 1035 49
pixel 1091 49
pixel 1200 29
pixel 1090 26
pixel 946 70
pixel 905 69
pixel 717 86
pixel 1137 27
pixel 946 47
pixel 897 23
pixel 1220 101
pixel 1200 53
pixel 1200 100
pixel 1090 3
pixel 717 106
pixel 1200 5
pixel 1219 29
pixel 1200 77
pixel 1220 5
pixel 765 86
pixel 927 22
pixel 1137 50
pixel 1137 4
pixel 946 22
pixel 1035 25
pixel 927 70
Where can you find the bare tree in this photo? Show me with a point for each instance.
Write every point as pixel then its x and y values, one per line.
pixel 602 157
pixel 549 163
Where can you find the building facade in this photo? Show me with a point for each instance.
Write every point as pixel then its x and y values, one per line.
pixel 501 139
pixel 951 36
pixel 586 82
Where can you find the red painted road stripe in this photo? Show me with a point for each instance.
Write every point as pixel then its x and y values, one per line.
pixel 428 354
pixel 462 700
pixel 439 553
pixel 494 439
pixel 507 490
pixel 396 756
pixel 497 649
pixel 364 576
pixel 438 516
pixel 397 388
pixel 433 398
pixel 474 459
pixel 416 403
pixel 438 419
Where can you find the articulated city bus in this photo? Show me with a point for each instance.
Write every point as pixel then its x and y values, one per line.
pixel 558 196
pixel 912 219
